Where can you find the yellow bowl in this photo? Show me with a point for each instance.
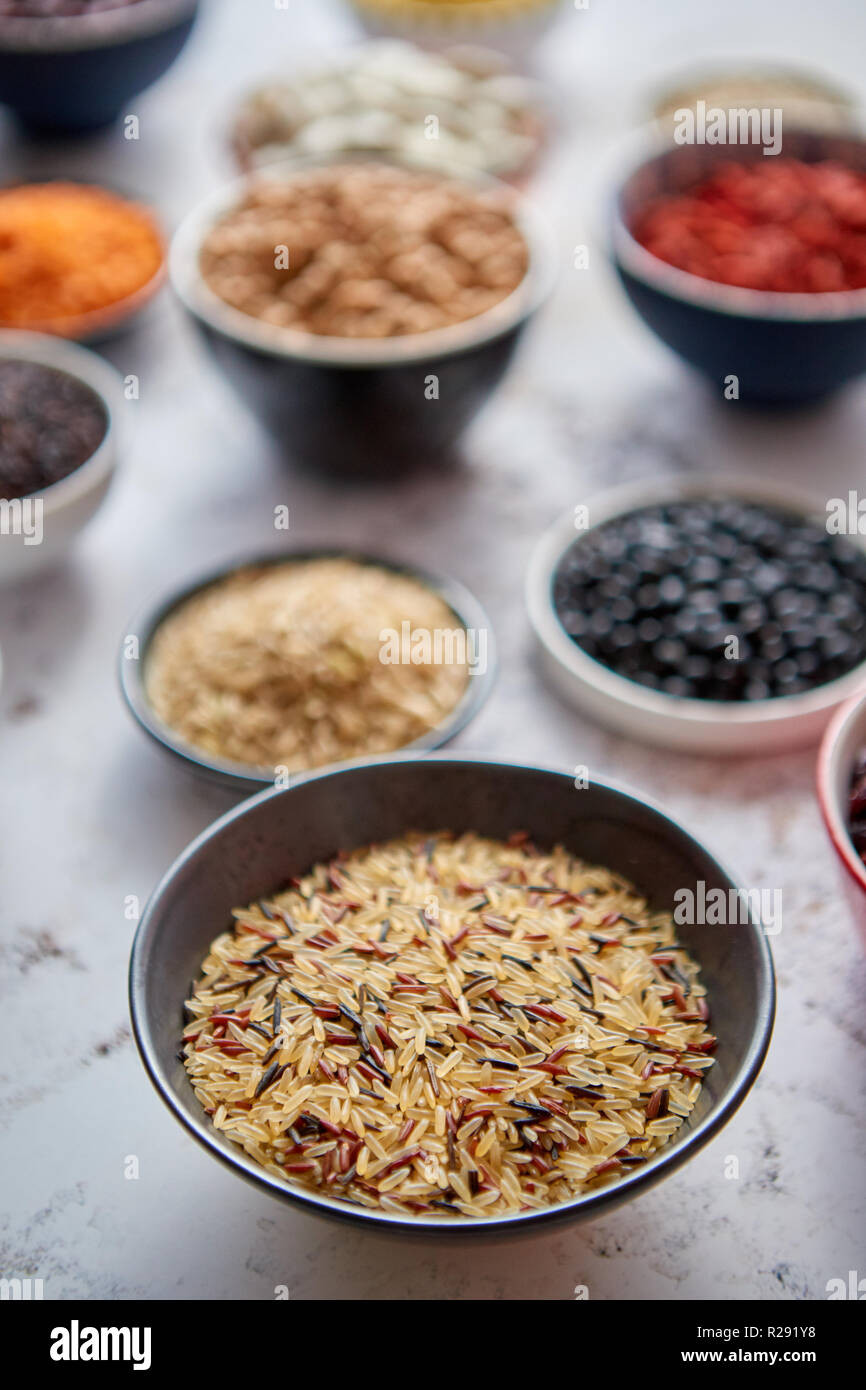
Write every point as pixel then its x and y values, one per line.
pixel 507 25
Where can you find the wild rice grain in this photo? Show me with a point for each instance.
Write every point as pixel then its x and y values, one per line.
pixel 486 1074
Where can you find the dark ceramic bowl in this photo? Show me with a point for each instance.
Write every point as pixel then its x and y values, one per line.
pixel 785 349
pixel 353 406
pixel 239 777
pixel 77 73
pixel 283 833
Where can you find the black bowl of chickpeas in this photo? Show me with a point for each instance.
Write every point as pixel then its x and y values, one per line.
pixel 364 310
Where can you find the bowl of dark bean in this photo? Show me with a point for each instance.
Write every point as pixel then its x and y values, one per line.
pixel 712 617
pixel 364 309
pixel 752 270
pixel 58 446
pixel 842 795
pixel 72 65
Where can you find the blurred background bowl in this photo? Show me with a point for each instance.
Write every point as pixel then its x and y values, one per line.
pixel 514 27
pixel 69 504
pixel 702 727
pixel 98 326
pixel 354 406
pixel 808 100
pixel 785 349
pixel 77 73
pixel 375 97
pixel 843 743
pixel 244 779
pixel 283 833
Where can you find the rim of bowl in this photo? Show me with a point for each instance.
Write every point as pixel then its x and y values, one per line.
pixel 619 690
pixel 93 371
pixel 76 33
pixel 852 713
pixel 100 323
pixel 666 1160
pixel 816 86
pixel 466 608
pixel 97 324
pixel 404 349
pixel 734 300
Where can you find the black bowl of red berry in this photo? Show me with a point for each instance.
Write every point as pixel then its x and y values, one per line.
pixel 752 269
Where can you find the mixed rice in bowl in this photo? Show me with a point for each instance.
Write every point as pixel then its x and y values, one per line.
pixel 451 1025
pixel 405 1013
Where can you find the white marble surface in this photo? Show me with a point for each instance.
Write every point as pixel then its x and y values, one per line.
pixel 92 814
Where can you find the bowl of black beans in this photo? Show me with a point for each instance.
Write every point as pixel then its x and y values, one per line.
pixel 718 618
pixel 59 407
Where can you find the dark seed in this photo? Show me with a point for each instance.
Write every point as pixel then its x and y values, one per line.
pixel 352 1017
pixel 541 1112
pixel 499 1062
pixel 657 1104
pixel 269 1077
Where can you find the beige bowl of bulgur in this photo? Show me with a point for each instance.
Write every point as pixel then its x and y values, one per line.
pixel 272 668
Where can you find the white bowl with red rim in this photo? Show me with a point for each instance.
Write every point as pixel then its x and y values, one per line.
pixel 844 740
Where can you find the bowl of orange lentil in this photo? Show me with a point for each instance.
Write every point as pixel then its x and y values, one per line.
pixel 76 260
pixel 752 269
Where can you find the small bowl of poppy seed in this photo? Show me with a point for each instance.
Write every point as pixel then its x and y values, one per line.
pixel 715 617
pixel 450 994
pixel 60 439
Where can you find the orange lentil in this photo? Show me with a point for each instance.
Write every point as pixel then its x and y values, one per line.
pixel 68 251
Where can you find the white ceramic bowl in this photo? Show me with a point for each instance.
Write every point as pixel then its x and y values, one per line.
pixel 688 725
pixel 65 506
